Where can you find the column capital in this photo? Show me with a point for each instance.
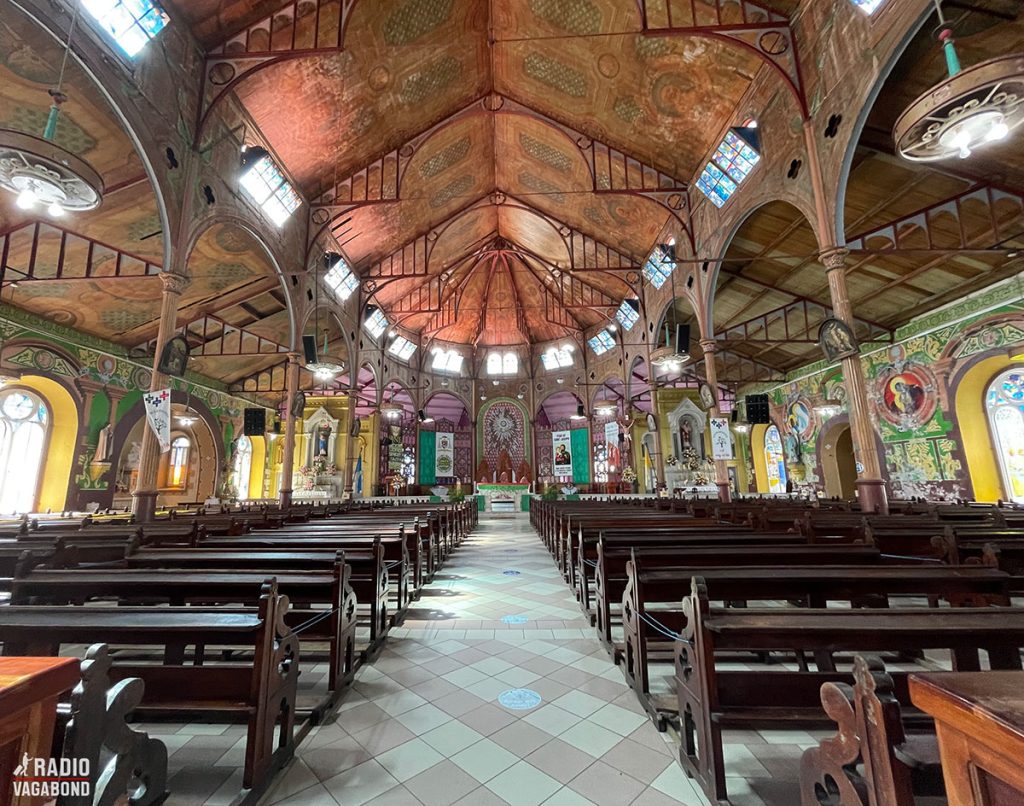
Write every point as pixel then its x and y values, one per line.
pixel 294 357
pixel 834 258
pixel 709 345
pixel 174 283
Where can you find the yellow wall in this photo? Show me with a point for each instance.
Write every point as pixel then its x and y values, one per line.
pixel 256 469
pixel 757 433
pixel 60 451
pixel 368 432
pixel 972 418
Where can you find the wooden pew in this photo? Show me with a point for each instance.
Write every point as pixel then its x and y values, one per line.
pixel 710 700
pixel 263 692
pixel 323 601
pixel 650 601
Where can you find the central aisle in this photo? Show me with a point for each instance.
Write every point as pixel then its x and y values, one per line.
pixel 423 723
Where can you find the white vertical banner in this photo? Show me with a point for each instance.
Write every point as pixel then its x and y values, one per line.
pixel 444 453
pixel 611 434
pixel 561 451
pixel 158 415
pixel 721 442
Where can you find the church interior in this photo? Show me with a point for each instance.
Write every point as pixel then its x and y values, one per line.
pixel 512 402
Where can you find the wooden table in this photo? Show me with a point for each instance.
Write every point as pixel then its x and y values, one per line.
pixel 979 718
pixel 29 690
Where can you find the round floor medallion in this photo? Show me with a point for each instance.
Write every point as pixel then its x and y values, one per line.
pixel 519 699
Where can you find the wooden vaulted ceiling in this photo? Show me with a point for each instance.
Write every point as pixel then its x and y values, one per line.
pixel 771 277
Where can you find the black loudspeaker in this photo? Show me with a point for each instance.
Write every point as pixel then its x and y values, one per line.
pixel 309 348
pixel 682 345
pixel 757 410
pixel 277 426
pixel 356 426
pixel 254 422
pixel 735 416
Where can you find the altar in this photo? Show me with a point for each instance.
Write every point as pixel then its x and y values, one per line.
pixel 505 497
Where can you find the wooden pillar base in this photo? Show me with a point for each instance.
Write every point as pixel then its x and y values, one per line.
pixel 144 505
pixel 872 496
pixel 285 500
pixel 724 492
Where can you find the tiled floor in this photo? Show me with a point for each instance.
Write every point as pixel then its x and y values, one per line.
pixel 422 724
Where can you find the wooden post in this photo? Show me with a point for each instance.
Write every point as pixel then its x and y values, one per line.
pixel 870 485
pixel 288 452
pixel 711 373
pixel 145 494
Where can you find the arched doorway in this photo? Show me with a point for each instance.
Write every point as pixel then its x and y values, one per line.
pixel 25 422
pixel 838 462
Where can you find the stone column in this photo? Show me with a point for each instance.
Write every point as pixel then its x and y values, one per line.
pixel 709 346
pixel 288 452
pixel 659 454
pixel 351 456
pixel 870 486
pixel 144 496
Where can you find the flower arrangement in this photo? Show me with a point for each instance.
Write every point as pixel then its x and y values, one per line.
pixel 691 459
pixel 671 460
pixel 628 475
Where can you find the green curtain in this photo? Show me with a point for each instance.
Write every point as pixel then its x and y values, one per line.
pixel 579 439
pixel 428 457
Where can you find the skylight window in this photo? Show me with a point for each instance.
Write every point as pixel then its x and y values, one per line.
pixel 341 280
pixel 447 360
pixel 601 343
pixel 557 358
pixel 264 183
pixel 131 23
pixel 376 323
pixel 659 266
pixel 502 364
pixel 628 313
pixel 401 348
pixel 734 159
pixel 868 6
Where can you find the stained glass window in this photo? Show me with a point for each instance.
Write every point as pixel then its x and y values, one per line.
pixel 1005 404
pixel 376 323
pixel 178 470
pixel 340 279
pixel 775 460
pixel 733 161
pixel 502 364
pixel 265 184
pixel 658 267
pixel 868 6
pixel 242 467
pixel 557 358
pixel 447 360
pixel 402 348
pixel 131 23
pixel 601 343
pixel 24 420
pixel 627 314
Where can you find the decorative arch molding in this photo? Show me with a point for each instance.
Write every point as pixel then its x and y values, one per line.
pixel 865 103
pixel 461 398
pixel 1009 331
pixel 113 85
pixel 206 222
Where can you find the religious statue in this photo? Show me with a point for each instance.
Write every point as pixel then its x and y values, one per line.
pixel 685 433
pixel 104 444
pixel 323 440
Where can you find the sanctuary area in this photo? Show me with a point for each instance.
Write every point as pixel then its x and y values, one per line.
pixel 511 402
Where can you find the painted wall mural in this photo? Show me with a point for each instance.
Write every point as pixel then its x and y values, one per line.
pixel 912 389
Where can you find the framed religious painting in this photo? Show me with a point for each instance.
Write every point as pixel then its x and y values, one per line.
pixel 836 340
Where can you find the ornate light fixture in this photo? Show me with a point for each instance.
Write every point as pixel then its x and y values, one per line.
pixel 828 408
pixel 970 108
pixel 323 371
pixel 391 410
pixel 186 420
pixel 41 173
pixel 605 407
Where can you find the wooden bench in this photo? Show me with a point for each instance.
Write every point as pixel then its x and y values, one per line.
pixel 263 692
pixel 710 700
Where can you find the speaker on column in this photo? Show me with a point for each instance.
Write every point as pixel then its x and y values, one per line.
pixel 356 426
pixel 682 344
pixel 254 422
pixel 309 349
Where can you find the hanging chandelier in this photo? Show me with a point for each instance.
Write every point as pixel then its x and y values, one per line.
pixel 605 407
pixel 323 371
pixel 391 410
pixel 41 173
pixel 970 108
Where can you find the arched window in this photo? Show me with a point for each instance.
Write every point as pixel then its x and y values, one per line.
pixel 775 460
pixel 509 364
pixel 177 475
pixel 494 364
pixel 24 422
pixel 242 467
pixel 1005 404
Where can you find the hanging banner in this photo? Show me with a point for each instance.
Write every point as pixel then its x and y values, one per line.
pixel 562 453
pixel 158 415
pixel 611 434
pixel 721 442
pixel 444 459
